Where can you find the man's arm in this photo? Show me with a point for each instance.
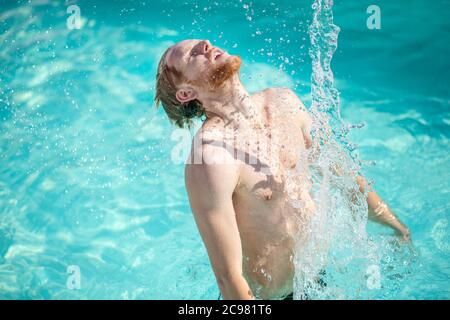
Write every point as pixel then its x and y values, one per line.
pixel 381 213
pixel 210 188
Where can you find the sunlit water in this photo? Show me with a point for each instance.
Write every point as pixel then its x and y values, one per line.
pixel 86 176
pixel 333 246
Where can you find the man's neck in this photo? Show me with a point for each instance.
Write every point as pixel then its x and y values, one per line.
pixel 234 105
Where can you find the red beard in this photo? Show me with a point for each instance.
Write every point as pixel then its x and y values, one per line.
pixel 224 72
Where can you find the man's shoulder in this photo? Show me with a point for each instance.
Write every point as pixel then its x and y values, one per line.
pixel 209 147
pixel 212 132
pixel 283 99
pixel 277 91
pixel 210 161
pixel 283 95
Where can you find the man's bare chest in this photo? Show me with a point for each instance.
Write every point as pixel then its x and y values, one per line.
pixel 266 160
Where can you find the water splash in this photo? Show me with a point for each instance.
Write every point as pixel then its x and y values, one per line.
pixel 333 246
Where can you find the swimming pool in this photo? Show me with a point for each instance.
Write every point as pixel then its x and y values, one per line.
pixel 86 177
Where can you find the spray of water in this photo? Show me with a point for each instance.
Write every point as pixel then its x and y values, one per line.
pixel 332 246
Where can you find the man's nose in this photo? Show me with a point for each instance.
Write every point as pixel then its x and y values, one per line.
pixel 205 46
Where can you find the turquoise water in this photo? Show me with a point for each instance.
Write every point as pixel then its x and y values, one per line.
pixel 86 176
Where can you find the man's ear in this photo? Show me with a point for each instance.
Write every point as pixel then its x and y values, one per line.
pixel 186 94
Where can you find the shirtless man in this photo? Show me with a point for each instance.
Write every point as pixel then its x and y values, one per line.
pixel 238 193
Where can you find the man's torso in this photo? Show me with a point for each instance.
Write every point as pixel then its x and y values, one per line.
pixel 272 179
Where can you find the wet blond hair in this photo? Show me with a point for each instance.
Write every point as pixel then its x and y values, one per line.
pixel 167 80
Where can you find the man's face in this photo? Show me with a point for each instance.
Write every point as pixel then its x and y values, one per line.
pixel 202 64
